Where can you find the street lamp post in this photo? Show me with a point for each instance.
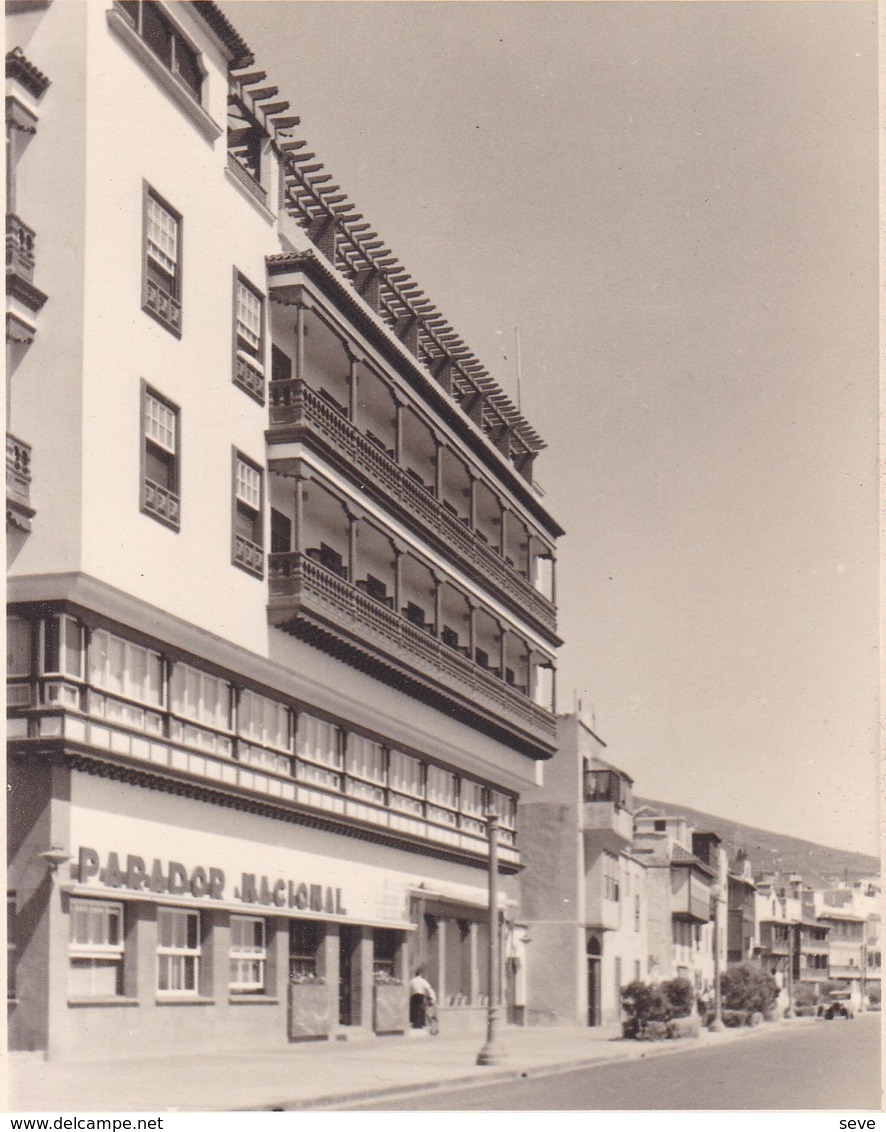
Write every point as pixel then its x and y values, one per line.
pixel 492 1053
pixel 717 1021
pixel 789 1013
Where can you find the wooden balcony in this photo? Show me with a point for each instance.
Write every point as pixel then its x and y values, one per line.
pixel 19 511
pixel 295 409
pixel 20 241
pixel 317 605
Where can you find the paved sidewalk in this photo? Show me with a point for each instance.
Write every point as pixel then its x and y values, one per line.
pixel 320 1075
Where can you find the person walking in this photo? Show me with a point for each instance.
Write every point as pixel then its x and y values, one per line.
pixel 421 993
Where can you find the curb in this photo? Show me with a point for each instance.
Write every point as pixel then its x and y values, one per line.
pixel 635 1053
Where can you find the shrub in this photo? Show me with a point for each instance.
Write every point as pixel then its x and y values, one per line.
pixel 874 994
pixel 755 1018
pixel 683 1028
pixel 733 1018
pixel 805 1010
pixel 746 986
pixel 805 995
pixel 680 995
pixel 650 1007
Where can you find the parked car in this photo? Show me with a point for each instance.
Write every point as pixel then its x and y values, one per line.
pixel 836 1004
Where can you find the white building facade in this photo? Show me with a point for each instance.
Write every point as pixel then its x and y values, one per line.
pixel 282 628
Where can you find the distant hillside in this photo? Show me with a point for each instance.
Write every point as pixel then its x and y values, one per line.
pixel 819 865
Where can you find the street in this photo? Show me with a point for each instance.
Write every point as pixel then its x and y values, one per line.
pixel 827 1065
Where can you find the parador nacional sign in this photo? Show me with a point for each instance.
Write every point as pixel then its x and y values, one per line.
pixel 205 881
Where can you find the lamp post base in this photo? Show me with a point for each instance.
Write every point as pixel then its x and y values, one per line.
pixel 716 1025
pixel 491 1054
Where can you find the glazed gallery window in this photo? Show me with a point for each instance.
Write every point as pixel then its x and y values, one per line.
pixel 365 762
pixel 265 728
pixel 248 955
pixel 203 705
pixel 247 516
pixel 442 796
pixel 610 876
pixel 249 349
pixel 162 273
pixel 160 459
pixel 95 949
pixel 406 782
pixel 165 41
pixel 320 748
pixel 178 951
pixel 18 647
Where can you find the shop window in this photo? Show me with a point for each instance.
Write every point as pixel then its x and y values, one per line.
pixel 249 346
pixel 248 521
pixel 385 946
pixel 178 951
pixel 366 766
pixel 248 955
pixel 95 949
pixel 160 459
pixel 320 749
pixel 203 705
pixel 165 41
pixel 305 940
pixel 162 263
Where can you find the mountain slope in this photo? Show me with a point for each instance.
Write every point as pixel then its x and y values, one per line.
pixel 819 865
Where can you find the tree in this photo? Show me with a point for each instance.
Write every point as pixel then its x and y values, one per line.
pixel 746 986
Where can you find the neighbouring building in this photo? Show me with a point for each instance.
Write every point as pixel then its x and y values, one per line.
pixel 742 923
pixel 584 893
pixel 282 628
pixel 686 892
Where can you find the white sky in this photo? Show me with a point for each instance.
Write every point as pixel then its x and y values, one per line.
pixel 677 205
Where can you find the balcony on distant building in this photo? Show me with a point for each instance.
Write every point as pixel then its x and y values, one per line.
pixel 607 817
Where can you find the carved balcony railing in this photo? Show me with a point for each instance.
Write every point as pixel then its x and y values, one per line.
pixel 249 377
pixel 293 404
pixel 248 555
pixel 161 502
pixel 18 483
pixel 20 241
pixel 303 590
pixel 163 305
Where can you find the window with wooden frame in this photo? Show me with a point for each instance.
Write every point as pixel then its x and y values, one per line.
pixel 248 518
pixel 249 340
pixel 166 42
pixel 160 459
pixel 95 949
pixel 179 952
pixel 162 266
pixel 247 955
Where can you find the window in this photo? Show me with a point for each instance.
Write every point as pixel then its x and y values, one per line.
pixel 405 781
pixel 249 348
pixel 262 724
pixel 63 647
pixel 248 955
pixel 442 795
pixel 636 913
pixel 178 951
pixel 162 277
pixel 610 876
pixel 320 747
pixel 305 940
pixel 202 699
pixel 18 647
pixel 365 762
pixel 95 949
pixel 248 518
pixel 125 669
pixel 160 459
pixel 281 365
pixel 166 42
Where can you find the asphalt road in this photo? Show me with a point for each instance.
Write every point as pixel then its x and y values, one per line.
pixel 826 1065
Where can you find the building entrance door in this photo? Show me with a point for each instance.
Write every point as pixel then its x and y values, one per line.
pixel 593 958
pixel 346 944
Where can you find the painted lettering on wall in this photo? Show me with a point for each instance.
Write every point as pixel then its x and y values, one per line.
pixel 172 877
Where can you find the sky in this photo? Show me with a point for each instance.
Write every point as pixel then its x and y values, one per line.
pixel 676 204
